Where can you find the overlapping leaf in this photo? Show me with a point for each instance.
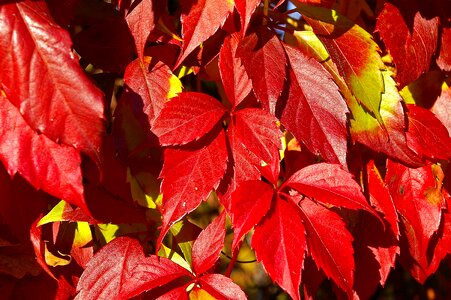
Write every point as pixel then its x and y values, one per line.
pixel 413 40
pixel 42 77
pixel 361 69
pixel 279 243
pixel 221 287
pixel 315 111
pixel 264 59
pixel 246 8
pixel 444 57
pixel 200 20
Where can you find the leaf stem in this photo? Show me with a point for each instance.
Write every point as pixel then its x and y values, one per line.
pixel 265 11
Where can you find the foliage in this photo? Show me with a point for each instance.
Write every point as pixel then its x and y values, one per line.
pixel 316 142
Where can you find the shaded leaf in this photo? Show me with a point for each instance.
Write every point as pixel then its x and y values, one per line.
pixel 315 111
pixel 208 245
pixel 410 37
pixel 279 243
pixel 246 8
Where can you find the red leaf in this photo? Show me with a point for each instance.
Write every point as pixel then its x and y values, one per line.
pixel 221 287
pixel 200 20
pixel 187 117
pixel 380 197
pixel 418 198
pixel 329 184
pixel 141 21
pixel 39 70
pixel 257 130
pixel 265 62
pixel 444 58
pixel 427 136
pixel 315 111
pixel 208 245
pixel 120 271
pixel 250 202
pixel 279 243
pixel 329 243
pixel 152 84
pixel 410 37
pixel 45 164
pixel 175 294
pixel 237 84
pixel 246 8
pixel 189 175
pixel 442 108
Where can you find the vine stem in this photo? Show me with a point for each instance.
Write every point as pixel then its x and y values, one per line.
pixel 265 11
pixel 233 260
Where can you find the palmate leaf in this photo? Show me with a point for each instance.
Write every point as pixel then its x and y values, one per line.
pixel 200 20
pixel 329 243
pixel 45 164
pixel 279 243
pixel 42 77
pixel 189 175
pixel 315 111
pixel 413 40
pixel 360 69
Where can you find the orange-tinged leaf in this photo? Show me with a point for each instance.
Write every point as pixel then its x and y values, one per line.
pixel 43 79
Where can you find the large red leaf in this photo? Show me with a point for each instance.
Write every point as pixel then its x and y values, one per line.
pixel 141 21
pixel 250 202
pixel 45 164
pixel 279 243
pixel 360 69
pixel 329 184
pixel 444 58
pixel 208 245
pixel 38 68
pixel 410 37
pixel 257 130
pixel 151 83
pixel 418 199
pixel 221 287
pixel 427 136
pixel 237 84
pixel 329 243
pixel 200 20
pixel 264 59
pixel 315 111
pixel 187 117
pixel 246 8
pixel 189 175
pixel 120 271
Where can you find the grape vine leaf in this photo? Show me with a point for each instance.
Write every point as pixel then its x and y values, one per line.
pixel 200 20
pixel 427 136
pixel 52 104
pixel 410 37
pixel 360 69
pixel 315 111
pixel 265 62
pixel 208 245
pixel 279 243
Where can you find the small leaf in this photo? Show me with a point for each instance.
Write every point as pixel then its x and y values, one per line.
pixel 246 8
pixel 208 245
pixel 444 57
pixel 187 117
